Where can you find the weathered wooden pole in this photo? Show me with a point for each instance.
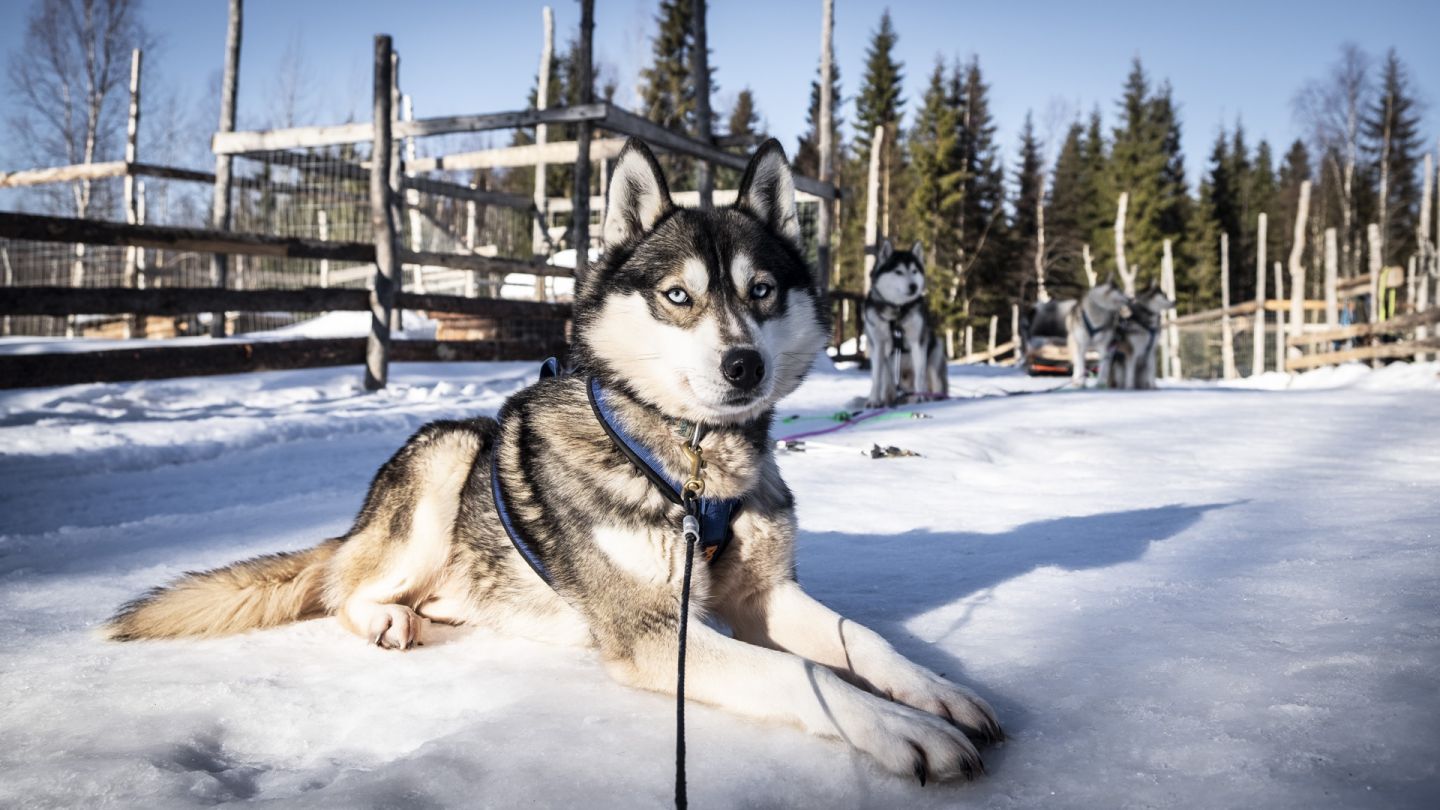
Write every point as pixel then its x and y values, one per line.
pixel 1332 278
pixel 1297 267
pixel 384 222
pixel 1279 318
pixel 700 80
pixel 322 222
pixel 542 137
pixel 1227 330
pixel 1015 331
pixel 1041 294
pixel 969 341
pixel 220 205
pixel 581 209
pixel 1089 264
pixel 1172 332
pixel 1127 276
pixel 1377 269
pixel 872 205
pixel 397 199
pixel 1257 358
pixel 990 347
pixel 825 222
pixel 133 324
pixel 412 197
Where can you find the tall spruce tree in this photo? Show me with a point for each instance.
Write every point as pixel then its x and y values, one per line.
pixel 879 102
pixel 667 93
pixel 936 190
pixel 1391 142
pixel 1294 171
pixel 1029 194
pixel 807 151
pixel 1065 230
pixel 1146 162
pixel 983 226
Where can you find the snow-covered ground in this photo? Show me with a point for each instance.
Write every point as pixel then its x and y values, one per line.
pixel 1204 596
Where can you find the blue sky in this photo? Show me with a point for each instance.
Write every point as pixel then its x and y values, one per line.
pixel 1226 60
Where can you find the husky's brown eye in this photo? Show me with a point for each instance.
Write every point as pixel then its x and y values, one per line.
pixel 760 290
pixel 678 296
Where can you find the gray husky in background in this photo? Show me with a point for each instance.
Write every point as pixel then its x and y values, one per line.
pixel 1091 324
pixel 1132 353
pixel 690 318
pixel 905 351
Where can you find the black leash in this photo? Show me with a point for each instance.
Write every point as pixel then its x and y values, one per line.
pixel 690 532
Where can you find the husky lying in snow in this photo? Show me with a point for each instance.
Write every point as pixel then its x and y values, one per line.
pixel 1091 323
pixel 1132 350
pixel 692 322
pixel 904 348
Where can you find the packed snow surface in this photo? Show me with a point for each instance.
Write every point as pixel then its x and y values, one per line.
pixel 1204 596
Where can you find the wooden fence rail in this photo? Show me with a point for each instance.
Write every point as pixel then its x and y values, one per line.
pixel 92 232
pixel 63 301
pixel 239 357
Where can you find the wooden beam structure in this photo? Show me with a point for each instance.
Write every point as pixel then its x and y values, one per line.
pixel 220 199
pixel 580 219
pixel 513 157
pixel 242 357
pixel 62 301
pixel 36 228
pixel 1392 326
pixel 456 191
pixel 1375 353
pixel 825 223
pixel 233 143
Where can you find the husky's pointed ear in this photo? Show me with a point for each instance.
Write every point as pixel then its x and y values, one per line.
pixel 918 250
pixel 882 253
pixel 637 197
pixel 768 191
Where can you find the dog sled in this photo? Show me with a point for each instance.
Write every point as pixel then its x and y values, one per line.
pixel 1045 342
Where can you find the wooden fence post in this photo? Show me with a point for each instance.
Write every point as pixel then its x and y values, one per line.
pixel 383 220
pixel 1127 276
pixel 827 207
pixel 1015 331
pixel 969 339
pixel 1089 264
pixel 542 136
pixel 220 209
pixel 1257 359
pixel 135 323
pixel 1377 269
pixel 581 210
pixel 1332 280
pixel 700 81
pixel 1279 318
pixel 412 197
pixel 990 347
pixel 872 205
pixel 397 199
pixel 1227 330
pixel 1297 267
pixel 1167 286
pixel 322 220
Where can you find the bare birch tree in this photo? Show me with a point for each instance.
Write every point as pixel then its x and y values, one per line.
pixel 69 80
pixel 1332 109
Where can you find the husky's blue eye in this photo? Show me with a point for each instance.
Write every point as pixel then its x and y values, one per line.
pixel 760 290
pixel 678 296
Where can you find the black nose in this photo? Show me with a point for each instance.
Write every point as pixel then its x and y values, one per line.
pixel 743 368
pixel 914 287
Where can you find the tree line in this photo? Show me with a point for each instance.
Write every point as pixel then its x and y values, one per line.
pixel 978 205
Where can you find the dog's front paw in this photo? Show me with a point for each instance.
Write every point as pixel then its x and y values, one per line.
pixel 912 743
pixel 396 627
pixel 968 711
pixel 876 403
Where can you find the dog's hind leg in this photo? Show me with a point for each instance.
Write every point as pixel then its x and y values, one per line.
pixel 787 618
pixel 403 543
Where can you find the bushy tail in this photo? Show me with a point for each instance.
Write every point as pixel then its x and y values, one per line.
pixel 265 591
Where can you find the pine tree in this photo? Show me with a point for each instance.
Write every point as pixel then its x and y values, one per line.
pixel 879 102
pixel 1146 162
pixel 937 173
pixel 1391 140
pixel 1065 231
pixel 1217 213
pixel 807 151
pixel 744 120
pixel 983 226
pixel 1029 189
pixel 1295 169
pixel 667 93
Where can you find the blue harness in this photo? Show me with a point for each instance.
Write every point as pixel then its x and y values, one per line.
pixel 714 515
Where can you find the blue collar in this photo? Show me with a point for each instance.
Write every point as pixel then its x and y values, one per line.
pixel 1089 327
pixel 713 514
